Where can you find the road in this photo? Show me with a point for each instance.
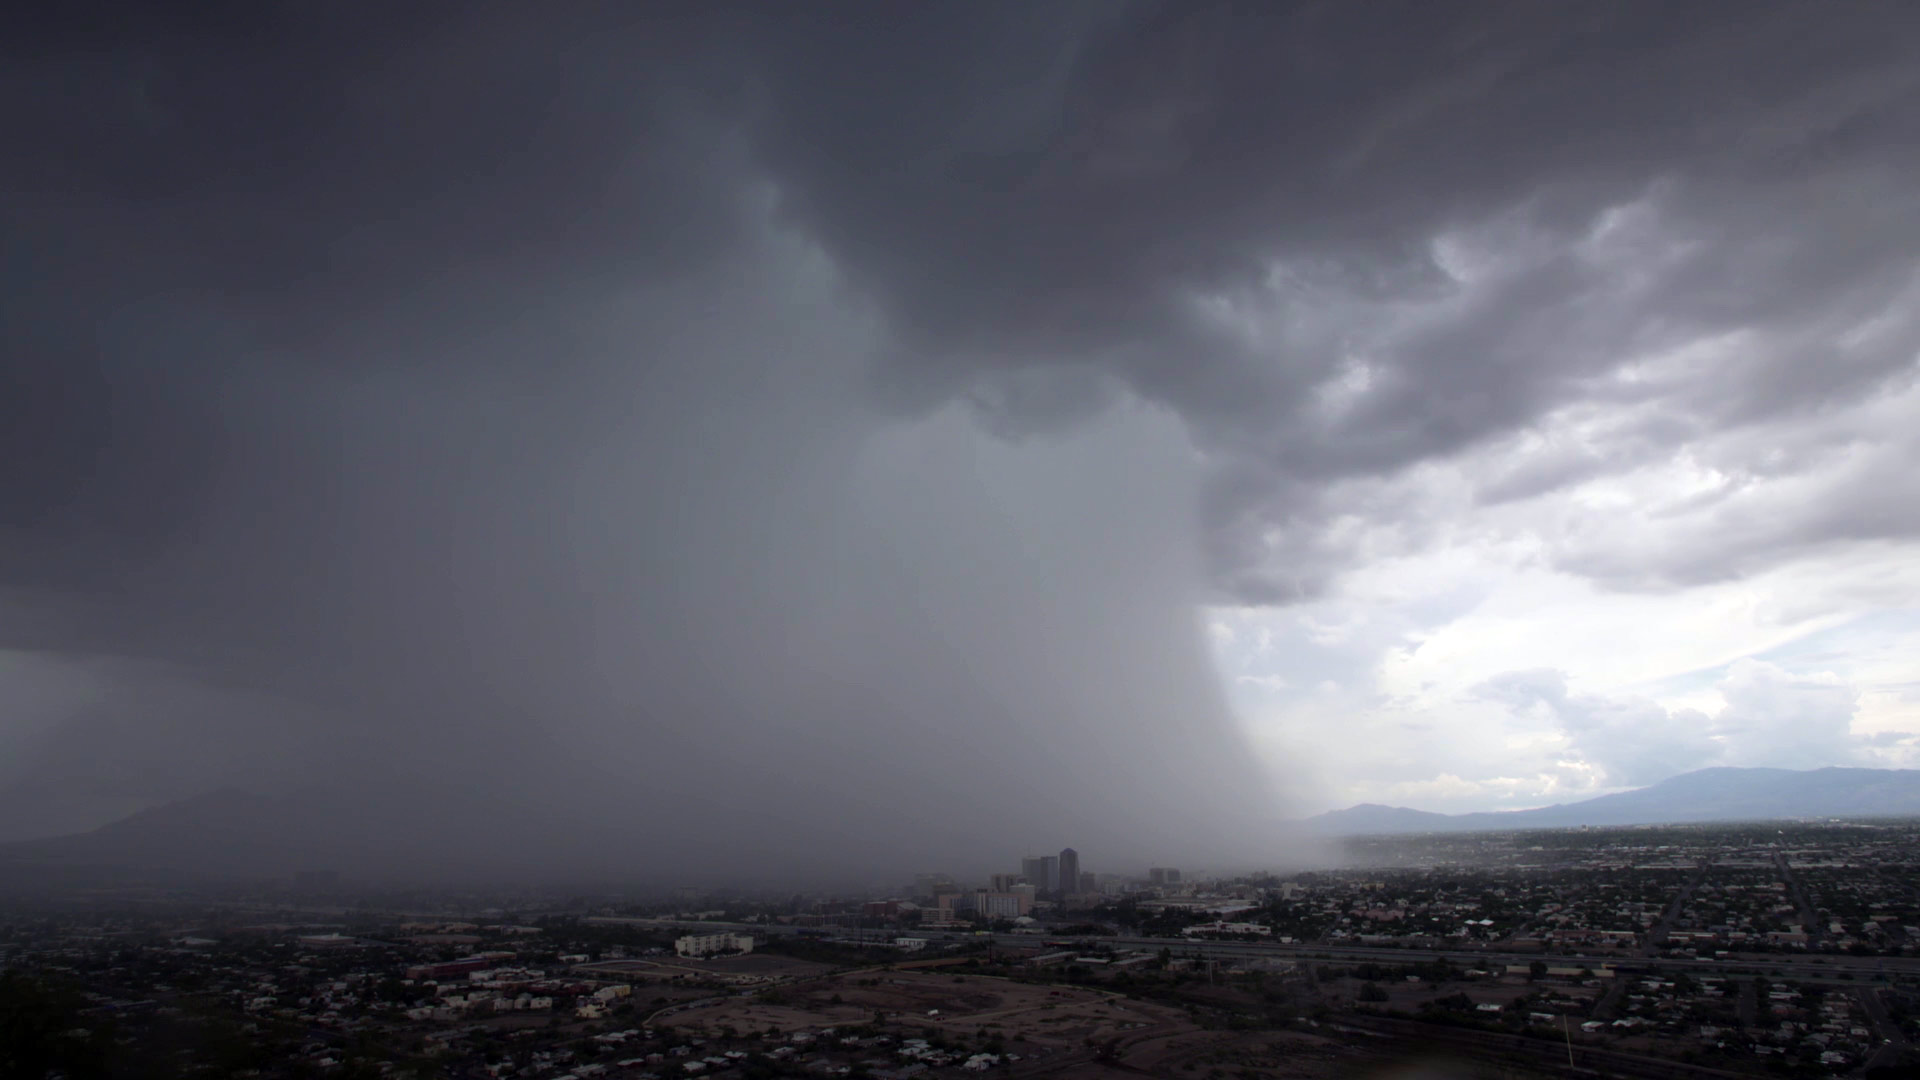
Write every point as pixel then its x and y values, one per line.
pixel 1823 968
pixel 1807 918
pixel 1608 1007
pixel 680 1007
pixel 1826 967
pixel 1894 1048
pixel 1657 934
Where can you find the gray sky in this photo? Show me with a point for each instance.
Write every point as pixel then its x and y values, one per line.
pixel 862 438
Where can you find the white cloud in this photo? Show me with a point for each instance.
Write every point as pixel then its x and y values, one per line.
pixel 1443 788
pixel 1713 555
pixel 1631 742
pixel 1803 664
pixel 1777 718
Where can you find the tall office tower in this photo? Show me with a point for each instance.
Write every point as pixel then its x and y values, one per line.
pixel 1069 880
pixel 1162 875
pixel 1089 882
pixel 1034 869
pixel 1003 882
pixel 1050 873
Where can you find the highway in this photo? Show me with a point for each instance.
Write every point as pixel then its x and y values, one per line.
pixel 1829 968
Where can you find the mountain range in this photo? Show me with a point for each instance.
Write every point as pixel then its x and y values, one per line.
pixel 1720 794
pixel 237 834
pixel 372 832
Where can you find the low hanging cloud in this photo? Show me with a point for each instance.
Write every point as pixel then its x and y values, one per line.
pixel 686 595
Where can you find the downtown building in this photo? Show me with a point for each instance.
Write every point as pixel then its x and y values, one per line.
pixel 1068 871
pixel 697 945
pixel 1042 872
pixel 991 904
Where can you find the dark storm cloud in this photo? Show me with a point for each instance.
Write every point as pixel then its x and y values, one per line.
pixel 562 397
pixel 1307 157
pixel 446 416
pixel 194 197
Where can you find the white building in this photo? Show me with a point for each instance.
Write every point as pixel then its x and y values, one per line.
pixel 1229 928
pixel 711 944
pixel 1004 905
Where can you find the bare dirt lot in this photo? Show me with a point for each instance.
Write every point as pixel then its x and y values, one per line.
pixel 1055 1030
pixel 1043 1015
pixel 750 968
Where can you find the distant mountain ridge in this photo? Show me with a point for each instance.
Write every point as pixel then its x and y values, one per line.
pixel 376 832
pixel 1718 794
pixel 239 834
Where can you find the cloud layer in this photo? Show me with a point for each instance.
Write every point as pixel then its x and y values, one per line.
pixel 861 404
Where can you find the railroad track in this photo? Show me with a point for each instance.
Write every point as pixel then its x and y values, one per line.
pixel 1551 1054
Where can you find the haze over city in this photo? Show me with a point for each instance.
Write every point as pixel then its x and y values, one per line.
pixel 741 440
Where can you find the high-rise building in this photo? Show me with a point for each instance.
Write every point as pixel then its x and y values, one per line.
pixel 1089 882
pixel 1034 869
pixel 1069 871
pixel 1042 872
pixel 1163 875
pixel 1003 882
